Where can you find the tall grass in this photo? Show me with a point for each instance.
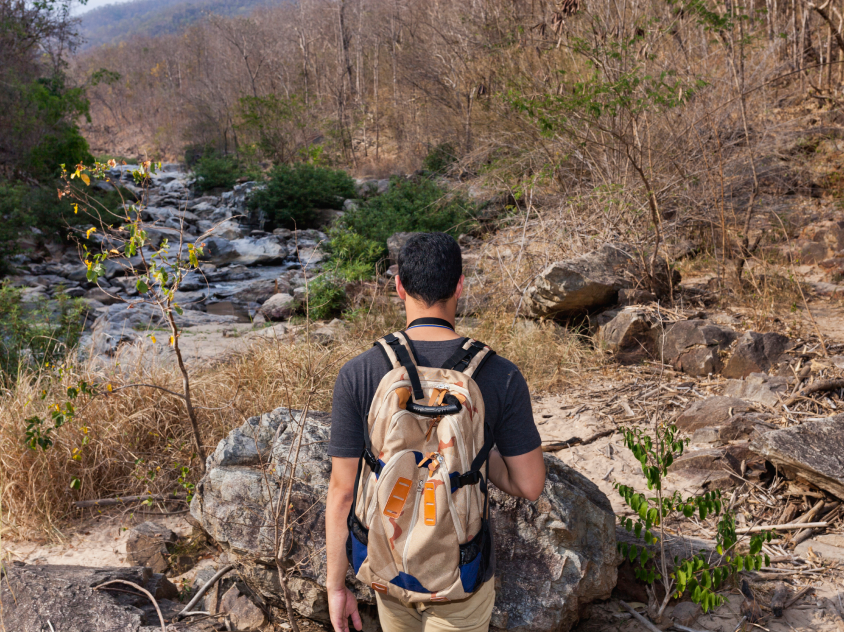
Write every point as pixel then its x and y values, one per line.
pixel 131 441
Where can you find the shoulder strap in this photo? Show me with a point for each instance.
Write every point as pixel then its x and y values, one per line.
pixel 469 358
pixel 400 354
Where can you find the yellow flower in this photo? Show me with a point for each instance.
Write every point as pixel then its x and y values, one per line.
pixel 153 339
pixel 90 230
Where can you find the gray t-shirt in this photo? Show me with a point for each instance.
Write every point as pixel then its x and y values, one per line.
pixel 505 393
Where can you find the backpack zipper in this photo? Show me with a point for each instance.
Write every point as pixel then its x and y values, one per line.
pixel 413 518
pixel 461 534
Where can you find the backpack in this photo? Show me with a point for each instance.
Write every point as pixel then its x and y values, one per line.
pixel 418 525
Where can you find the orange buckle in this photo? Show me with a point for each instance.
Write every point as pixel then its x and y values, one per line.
pixel 379 587
pixel 429 498
pixel 398 497
pixel 435 597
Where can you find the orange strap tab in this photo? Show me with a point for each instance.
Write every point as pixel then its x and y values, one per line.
pixel 377 587
pixel 429 498
pixel 398 497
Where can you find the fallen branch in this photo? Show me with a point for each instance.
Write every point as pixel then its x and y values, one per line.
pixel 562 445
pixel 650 626
pixel 143 590
pixel 823 385
pixel 797 596
pixel 782 527
pixel 187 609
pixel 109 502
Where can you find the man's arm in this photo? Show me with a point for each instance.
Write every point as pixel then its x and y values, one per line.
pixel 341 602
pixel 522 475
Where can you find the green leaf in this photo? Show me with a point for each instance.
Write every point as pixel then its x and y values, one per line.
pixel 75 483
pixel 141 286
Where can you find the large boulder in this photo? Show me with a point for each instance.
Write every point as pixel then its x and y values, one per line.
pixel 631 336
pixel 711 412
pixel 755 353
pixel 696 346
pixel 813 452
pixel 247 251
pixel 279 307
pixel 580 284
pixel 553 556
pixel 149 544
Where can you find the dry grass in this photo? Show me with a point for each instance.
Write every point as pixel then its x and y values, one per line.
pixel 137 437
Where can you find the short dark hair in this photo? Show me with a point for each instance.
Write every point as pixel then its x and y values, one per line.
pixel 430 265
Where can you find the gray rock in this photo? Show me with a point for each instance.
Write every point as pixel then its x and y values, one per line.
pixel 743 426
pixel 279 307
pixel 148 545
pixel 157 234
pixel 36 598
pixel 580 284
pixel 106 298
pixel 696 346
pixel 714 468
pixel 755 353
pixel 244 614
pixel 226 230
pixel 246 251
pixel 259 291
pixel 712 411
pixel 554 555
pixel 631 336
pixel 395 243
pixel 812 451
pixel 758 387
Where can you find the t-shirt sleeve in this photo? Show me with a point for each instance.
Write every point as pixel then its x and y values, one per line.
pixel 516 433
pixel 346 421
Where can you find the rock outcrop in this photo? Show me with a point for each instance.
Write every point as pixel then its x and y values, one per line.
pixel 812 451
pixel 45 597
pixel 696 346
pixel 755 353
pixel 553 556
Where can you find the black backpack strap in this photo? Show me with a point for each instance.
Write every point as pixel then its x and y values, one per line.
pixel 475 473
pixel 469 358
pixel 400 354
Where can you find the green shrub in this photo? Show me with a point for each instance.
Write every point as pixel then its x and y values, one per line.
pixel 293 192
pixel 326 297
pixel 39 334
pixel 218 172
pixel 25 205
pixel 419 205
pixel 355 257
pixel 440 158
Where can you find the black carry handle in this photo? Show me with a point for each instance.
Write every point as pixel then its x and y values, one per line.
pixel 452 406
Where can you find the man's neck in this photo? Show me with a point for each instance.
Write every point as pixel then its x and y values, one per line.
pixel 444 312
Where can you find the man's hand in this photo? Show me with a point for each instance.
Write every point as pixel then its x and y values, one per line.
pixel 342 605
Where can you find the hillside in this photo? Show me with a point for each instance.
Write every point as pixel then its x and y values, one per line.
pixel 118 22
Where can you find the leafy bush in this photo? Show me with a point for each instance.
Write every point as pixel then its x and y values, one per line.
pixel 326 297
pixel 213 171
pixel 354 256
pixel 440 158
pixel 411 206
pixel 24 205
pixel 293 192
pixel 39 334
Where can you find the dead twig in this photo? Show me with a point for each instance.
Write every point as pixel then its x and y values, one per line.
pixel 187 609
pixel 109 502
pixel 562 445
pixel 782 527
pixel 143 590
pixel 817 387
pixel 650 626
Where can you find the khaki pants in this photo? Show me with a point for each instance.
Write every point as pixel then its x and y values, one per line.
pixel 467 615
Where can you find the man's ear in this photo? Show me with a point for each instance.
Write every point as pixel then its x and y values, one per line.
pixel 459 291
pixel 400 289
